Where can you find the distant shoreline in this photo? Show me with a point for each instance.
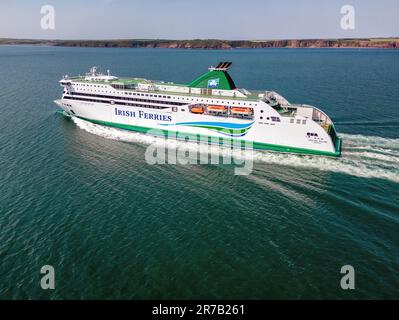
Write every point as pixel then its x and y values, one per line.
pixel 373 43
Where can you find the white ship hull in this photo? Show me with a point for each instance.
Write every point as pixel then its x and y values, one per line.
pixel 280 136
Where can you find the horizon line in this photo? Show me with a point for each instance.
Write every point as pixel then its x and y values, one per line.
pixel 192 39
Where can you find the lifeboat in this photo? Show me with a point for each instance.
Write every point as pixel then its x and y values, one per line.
pixel 217 108
pixel 246 111
pixel 199 110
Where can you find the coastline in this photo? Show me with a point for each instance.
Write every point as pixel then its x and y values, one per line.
pixel 371 43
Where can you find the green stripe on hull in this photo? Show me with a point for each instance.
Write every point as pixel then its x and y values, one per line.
pixel 193 136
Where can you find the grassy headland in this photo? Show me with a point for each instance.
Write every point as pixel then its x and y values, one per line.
pixel 386 43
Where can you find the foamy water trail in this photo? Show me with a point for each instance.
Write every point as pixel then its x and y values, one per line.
pixel 358 141
pixel 362 156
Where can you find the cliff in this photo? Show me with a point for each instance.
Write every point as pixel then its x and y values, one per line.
pixel 385 43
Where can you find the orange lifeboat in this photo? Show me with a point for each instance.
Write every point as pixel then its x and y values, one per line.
pixel 199 110
pixel 217 108
pixel 241 110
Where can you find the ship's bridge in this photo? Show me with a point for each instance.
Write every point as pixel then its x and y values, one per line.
pixel 93 75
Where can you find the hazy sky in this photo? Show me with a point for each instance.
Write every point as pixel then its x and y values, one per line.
pixel 186 19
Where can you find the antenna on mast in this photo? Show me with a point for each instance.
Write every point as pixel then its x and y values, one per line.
pixel 93 71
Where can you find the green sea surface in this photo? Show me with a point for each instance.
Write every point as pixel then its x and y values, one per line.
pixel 82 198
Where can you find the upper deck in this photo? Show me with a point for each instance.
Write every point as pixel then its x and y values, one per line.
pixel 216 83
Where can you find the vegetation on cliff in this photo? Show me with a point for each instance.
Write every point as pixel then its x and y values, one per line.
pixel 387 43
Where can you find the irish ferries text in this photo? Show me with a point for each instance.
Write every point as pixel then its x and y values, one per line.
pixel 142 115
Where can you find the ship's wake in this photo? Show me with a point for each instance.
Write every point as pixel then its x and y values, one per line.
pixel 362 156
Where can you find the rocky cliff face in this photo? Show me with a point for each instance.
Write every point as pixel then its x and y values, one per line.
pixel 392 43
pixel 220 44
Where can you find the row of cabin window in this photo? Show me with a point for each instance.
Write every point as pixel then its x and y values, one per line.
pixel 126 98
pixel 169 97
pixel 182 98
pixel 129 93
pixel 117 103
pixel 275 119
pixel 298 121
pixel 178 98
pixel 147 95
pixel 89 85
pixel 212 101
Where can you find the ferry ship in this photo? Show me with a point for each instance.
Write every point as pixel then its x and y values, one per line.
pixel 210 106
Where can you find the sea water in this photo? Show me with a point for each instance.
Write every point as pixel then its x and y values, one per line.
pixel 82 198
